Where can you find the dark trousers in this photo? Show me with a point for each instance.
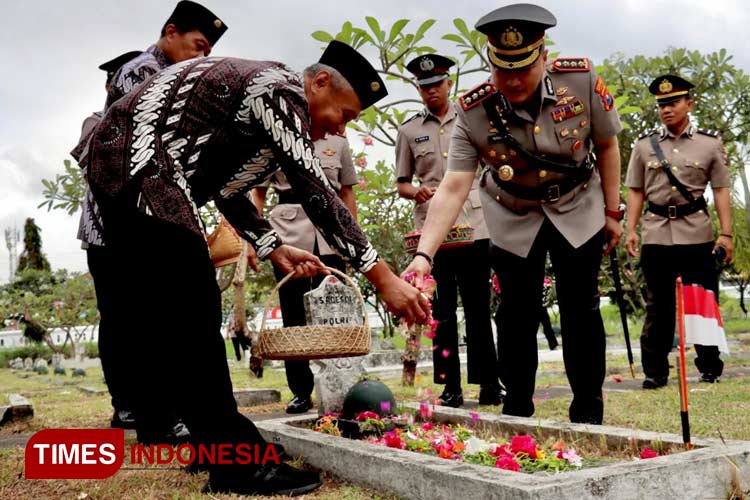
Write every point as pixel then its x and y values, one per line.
pixel 171 340
pixel 464 270
pixel 661 265
pixel 549 333
pixel 521 279
pixel 111 304
pixel 298 373
pixel 239 342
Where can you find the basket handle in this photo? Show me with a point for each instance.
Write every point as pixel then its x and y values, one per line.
pixel 336 272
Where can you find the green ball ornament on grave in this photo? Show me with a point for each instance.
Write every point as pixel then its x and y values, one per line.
pixel 368 395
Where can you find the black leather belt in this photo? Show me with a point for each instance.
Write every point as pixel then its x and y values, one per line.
pixel 550 191
pixel 677 211
pixel 289 198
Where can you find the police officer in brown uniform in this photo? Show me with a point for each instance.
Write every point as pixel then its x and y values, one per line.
pixel 289 219
pixel 534 128
pixel 669 169
pixel 422 149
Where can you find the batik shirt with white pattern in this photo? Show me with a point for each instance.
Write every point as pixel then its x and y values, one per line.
pixel 129 76
pixel 212 129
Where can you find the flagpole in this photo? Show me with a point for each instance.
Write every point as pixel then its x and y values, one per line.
pixel 681 366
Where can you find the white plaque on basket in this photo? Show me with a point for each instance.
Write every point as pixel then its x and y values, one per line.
pixel 333 304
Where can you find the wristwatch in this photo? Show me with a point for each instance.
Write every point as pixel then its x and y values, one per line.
pixel 618 214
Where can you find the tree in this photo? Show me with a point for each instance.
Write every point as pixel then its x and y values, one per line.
pixel 32 256
pixel 47 301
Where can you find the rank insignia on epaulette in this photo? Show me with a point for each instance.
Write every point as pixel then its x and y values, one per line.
pixel 712 133
pixel 568 111
pixel 571 64
pixel 476 95
pixel 608 102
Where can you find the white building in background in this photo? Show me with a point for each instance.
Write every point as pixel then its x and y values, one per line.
pixel 15 338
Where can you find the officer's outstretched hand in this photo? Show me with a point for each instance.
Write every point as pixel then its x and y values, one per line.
pixel 633 244
pixel 401 298
pixel 420 267
pixel 305 264
pixel 613 233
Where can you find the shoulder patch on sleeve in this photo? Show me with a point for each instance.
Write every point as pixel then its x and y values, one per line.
pixel 711 133
pixel 563 64
pixel 476 95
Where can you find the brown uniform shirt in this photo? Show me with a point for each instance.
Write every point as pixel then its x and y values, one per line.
pixel 422 148
pixel 697 157
pixel 290 219
pixel 576 108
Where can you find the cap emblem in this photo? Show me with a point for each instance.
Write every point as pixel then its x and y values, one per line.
pixel 665 86
pixel 511 37
pixel 426 64
pixel 375 86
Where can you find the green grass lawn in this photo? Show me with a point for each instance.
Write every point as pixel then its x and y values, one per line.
pixel 722 408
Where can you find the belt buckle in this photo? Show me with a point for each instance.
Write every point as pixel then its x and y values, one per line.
pixel 553 193
pixel 672 211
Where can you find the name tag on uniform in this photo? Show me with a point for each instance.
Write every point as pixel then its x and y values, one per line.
pixel 422 138
pixel 494 139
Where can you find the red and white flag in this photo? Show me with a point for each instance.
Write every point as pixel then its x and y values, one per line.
pixel 703 324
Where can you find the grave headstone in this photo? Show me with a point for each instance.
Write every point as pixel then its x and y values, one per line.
pixel 40 364
pixel 334 380
pixel 28 364
pixel 57 360
pixel 16 364
pixel 333 304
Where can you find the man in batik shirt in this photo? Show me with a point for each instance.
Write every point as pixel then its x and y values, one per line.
pixel 211 130
pixel 189 32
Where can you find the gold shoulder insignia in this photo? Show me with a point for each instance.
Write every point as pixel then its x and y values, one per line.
pixel 565 64
pixel 711 133
pixel 476 95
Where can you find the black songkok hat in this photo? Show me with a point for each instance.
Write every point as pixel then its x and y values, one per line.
pixel 669 88
pixel 357 70
pixel 430 68
pixel 518 31
pixel 196 16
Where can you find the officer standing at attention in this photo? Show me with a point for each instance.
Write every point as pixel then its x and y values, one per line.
pixel 670 168
pixel 289 219
pixel 422 149
pixel 535 127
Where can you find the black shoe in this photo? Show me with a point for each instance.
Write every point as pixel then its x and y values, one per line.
pixel 299 405
pixel 269 480
pixel 123 419
pixel 709 378
pixel 452 399
pixel 654 382
pixel 491 395
pixel 196 466
pixel 177 435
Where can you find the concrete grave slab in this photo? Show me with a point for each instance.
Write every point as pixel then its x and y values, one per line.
pixel 254 397
pixel 704 472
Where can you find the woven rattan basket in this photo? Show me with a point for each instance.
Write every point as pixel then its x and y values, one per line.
pixel 224 244
pixel 316 341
